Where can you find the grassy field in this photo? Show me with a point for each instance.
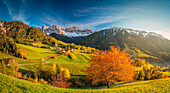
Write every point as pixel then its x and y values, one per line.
pixel 75 68
pixel 75 62
pixel 166 73
pixel 129 50
pixel 142 54
pixel 13 85
pixel 19 60
pixel 78 58
pixel 135 54
pixel 51 46
pixel 35 52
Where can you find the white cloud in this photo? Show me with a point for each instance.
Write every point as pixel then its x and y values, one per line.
pixel 139 17
pixel 20 16
pixel 90 9
pixel 103 20
pixel 48 19
pixel 98 16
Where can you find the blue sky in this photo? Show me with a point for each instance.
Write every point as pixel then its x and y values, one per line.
pixel 148 15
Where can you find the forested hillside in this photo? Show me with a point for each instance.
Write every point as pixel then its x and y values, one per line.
pixel 22 33
pixel 149 43
pixel 18 32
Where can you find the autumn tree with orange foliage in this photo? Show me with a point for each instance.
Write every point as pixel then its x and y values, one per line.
pixel 60 81
pixel 110 66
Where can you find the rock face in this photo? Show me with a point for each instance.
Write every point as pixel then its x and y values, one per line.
pixel 3 29
pixel 51 29
pixel 68 31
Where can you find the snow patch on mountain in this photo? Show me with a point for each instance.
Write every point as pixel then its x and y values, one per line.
pixel 74 34
pixel 114 30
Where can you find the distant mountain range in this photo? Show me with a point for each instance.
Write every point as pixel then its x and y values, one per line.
pixel 148 42
pixel 68 31
pixel 155 46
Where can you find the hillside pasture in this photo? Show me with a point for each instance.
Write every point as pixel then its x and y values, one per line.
pixel 10 84
pixel 35 52
pixel 73 58
pixel 19 60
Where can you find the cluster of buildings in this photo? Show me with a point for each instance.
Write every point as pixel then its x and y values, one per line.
pixel 8 61
pixel 63 50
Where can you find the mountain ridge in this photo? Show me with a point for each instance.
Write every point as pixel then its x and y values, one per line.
pixel 150 42
pixel 68 31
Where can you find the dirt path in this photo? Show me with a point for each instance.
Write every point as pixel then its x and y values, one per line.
pixel 49 56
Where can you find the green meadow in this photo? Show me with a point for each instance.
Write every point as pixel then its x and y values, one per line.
pixel 19 60
pixel 76 62
pixel 35 52
pixel 14 85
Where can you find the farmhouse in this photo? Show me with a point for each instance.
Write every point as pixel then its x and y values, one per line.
pixel 8 61
pixel 63 50
pixel 57 49
pixel 70 50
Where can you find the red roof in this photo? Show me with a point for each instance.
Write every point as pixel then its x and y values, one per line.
pixel 7 61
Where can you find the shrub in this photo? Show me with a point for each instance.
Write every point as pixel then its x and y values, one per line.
pixel 34 81
pixel 45 82
pixel 41 80
pixel 141 75
pixel 160 75
pixel 24 76
pixel 148 76
pixel 72 56
pixel 19 74
pixel 60 81
pixel 64 72
pixel 55 57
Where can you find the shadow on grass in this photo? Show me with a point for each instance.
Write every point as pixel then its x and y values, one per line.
pixel 26 72
pixel 77 76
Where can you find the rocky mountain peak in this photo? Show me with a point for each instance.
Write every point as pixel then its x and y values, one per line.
pixel 68 31
pixel 144 34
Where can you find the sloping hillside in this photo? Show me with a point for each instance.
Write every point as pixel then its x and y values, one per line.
pixel 10 84
pixel 148 42
pixel 23 33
